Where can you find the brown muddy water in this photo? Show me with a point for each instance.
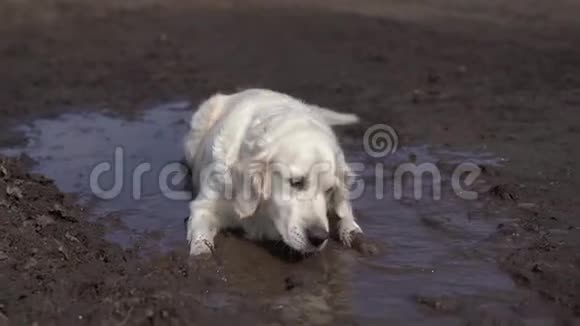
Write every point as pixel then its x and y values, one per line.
pixel 437 261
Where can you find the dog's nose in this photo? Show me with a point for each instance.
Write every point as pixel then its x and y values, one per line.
pixel 316 235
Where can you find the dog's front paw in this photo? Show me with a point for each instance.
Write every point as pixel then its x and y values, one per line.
pixel 199 244
pixel 201 247
pixel 200 238
pixel 347 231
pixel 352 236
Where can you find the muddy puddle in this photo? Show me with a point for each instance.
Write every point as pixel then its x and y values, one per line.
pixel 437 261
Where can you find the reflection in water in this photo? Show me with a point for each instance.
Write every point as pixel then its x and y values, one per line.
pixel 432 248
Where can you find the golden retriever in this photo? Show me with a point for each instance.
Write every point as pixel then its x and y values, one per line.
pixel 270 164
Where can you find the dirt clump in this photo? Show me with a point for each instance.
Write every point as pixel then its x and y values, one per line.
pixel 56 268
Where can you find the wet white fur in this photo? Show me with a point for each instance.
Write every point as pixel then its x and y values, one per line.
pixel 248 133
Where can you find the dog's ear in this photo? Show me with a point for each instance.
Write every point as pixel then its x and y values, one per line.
pixel 251 184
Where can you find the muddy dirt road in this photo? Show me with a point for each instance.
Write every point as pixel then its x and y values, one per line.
pixel 495 83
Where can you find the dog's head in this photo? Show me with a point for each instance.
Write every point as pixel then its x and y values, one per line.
pixel 295 181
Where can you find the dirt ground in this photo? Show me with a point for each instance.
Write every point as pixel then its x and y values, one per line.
pixel 504 75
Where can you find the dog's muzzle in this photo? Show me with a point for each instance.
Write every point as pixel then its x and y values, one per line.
pixel 316 235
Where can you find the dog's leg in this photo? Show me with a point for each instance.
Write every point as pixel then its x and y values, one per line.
pixel 202 226
pixel 351 234
pixel 347 226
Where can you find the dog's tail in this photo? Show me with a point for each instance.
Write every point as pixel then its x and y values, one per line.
pixel 202 120
pixel 335 118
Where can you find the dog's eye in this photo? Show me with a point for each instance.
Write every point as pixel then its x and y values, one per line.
pixel 298 182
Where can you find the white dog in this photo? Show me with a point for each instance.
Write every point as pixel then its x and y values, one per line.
pixel 269 164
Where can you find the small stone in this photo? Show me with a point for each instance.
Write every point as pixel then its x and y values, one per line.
pixel 527 205
pixel 3 256
pixel 44 220
pixel 433 78
pixel 3 172
pixel 149 313
pixel 57 208
pixel 3 319
pixel 417 95
pixel 291 283
pixel 14 191
pixel 504 192
pixel 60 212
pixel 41 179
pixel 489 170
pixel 444 305
pixel 537 269
pixel 31 263
pixel 62 249
pixel 71 237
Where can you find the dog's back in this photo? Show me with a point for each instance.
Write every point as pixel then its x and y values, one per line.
pixel 222 120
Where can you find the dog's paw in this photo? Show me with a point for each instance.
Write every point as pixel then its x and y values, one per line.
pixel 347 231
pixel 352 236
pixel 201 247
pixel 200 242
